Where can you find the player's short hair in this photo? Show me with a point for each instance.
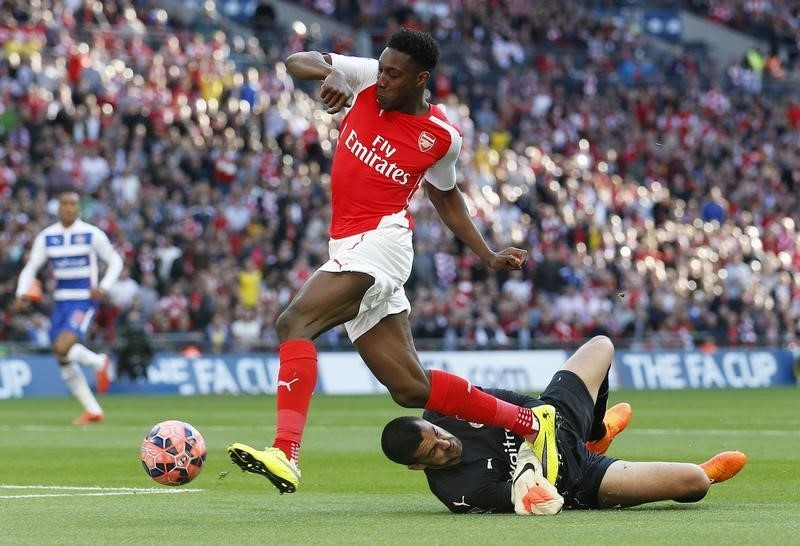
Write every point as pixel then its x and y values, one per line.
pixel 420 46
pixel 401 438
pixel 69 189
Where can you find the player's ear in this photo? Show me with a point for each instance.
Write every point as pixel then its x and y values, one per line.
pixel 416 466
pixel 422 78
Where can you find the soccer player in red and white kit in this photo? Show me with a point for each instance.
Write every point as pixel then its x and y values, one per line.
pixel 392 141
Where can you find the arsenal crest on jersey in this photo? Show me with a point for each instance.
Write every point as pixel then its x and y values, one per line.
pixel 426 141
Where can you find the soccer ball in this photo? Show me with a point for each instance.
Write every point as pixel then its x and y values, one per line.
pixel 173 453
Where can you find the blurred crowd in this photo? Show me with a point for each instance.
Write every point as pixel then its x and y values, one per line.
pixel 656 197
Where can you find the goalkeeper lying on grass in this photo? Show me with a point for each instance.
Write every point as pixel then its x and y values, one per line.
pixel 474 469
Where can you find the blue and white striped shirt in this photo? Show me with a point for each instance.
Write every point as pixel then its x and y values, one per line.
pixel 72 252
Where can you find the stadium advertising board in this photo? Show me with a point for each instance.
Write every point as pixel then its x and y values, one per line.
pixel 345 373
pixel 701 370
pixel 339 373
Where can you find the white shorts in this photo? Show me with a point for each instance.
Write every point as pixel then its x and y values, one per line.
pixel 384 253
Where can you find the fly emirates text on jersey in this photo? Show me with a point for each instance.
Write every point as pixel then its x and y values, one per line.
pixel 376 156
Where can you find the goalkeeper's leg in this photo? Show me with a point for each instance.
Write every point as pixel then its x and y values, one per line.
pixel 630 484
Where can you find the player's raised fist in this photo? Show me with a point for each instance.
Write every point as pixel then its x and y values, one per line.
pixel 508 258
pixel 335 92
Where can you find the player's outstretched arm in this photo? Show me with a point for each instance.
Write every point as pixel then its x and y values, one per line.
pixel 453 211
pixel 36 260
pixel 335 92
pixel 309 65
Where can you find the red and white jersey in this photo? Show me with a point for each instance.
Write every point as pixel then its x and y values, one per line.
pixel 383 155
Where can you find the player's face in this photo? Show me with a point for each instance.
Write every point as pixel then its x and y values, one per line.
pixel 438 448
pixel 400 82
pixel 68 208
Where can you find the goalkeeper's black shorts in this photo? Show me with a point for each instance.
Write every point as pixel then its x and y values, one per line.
pixel 580 472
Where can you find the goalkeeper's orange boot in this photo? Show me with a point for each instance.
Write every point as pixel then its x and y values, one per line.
pixel 615 420
pixel 271 463
pixel 724 466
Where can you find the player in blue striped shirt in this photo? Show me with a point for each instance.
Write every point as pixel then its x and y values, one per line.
pixel 72 248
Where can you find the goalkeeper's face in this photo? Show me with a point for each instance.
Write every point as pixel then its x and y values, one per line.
pixel 438 448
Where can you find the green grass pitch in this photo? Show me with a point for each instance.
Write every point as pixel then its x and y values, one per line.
pixel 92 489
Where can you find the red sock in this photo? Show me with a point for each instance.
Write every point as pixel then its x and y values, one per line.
pixel 297 377
pixel 454 396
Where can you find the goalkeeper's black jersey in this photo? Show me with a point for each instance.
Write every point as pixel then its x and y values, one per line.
pixel 482 481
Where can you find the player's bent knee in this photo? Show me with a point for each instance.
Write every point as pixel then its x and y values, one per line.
pixel 410 397
pixel 602 341
pixel 61 349
pixel 602 344
pixel 695 486
pixel 285 324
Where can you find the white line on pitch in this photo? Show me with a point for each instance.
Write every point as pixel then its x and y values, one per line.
pixel 713 432
pixel 95 488
pixel 109 494
pixel 78 491
pixel 217 428
pixel 106 427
